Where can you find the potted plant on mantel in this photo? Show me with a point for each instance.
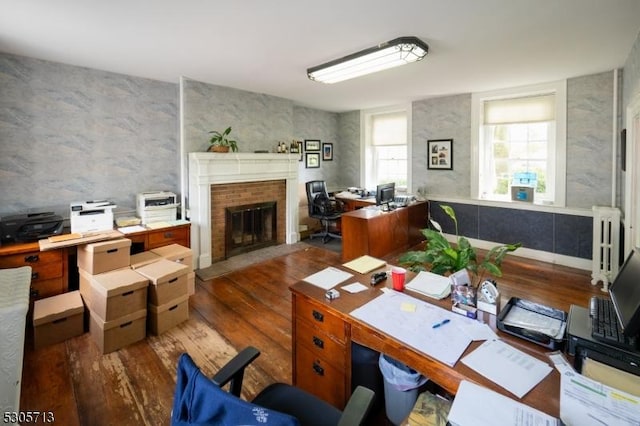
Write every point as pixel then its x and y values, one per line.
pixel 445 259
pixel 220 142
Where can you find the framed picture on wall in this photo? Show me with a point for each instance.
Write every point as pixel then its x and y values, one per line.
pixel 440 154
pixel 312 145
pixel 327 151
pixel 312 160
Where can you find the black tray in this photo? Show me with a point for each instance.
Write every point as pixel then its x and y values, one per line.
pixel 533 335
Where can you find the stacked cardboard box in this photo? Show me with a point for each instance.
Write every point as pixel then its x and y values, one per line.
pixel 182 255
pixel 116 296
pixel 57 318
pixel 168 301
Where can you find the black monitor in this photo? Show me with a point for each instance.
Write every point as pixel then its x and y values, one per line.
pixel 625 294
pixel 385 193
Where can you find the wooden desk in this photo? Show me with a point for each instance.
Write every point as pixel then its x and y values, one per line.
pixel 323 331
pixel 378 233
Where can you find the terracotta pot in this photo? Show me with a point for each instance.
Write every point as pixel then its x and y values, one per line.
pixel 218 148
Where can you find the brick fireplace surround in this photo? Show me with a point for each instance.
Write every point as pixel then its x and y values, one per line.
pixel 239 194
pixel 242 178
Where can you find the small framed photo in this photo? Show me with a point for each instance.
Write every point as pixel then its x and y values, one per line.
pixel 327 151
pixel 440 154
pixel 312 160
pixel 312 145
pixel 300 150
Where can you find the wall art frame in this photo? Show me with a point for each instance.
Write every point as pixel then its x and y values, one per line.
pixel 312 160
pixel 440 154
pixel 312 145
pixel 327 151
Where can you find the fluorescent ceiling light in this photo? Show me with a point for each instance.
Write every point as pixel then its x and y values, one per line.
pixel 400 51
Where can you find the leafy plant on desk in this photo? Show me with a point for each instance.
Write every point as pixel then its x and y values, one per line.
pixel 444 258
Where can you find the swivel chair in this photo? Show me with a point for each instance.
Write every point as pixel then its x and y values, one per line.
pixel 199 400
pixel 327 210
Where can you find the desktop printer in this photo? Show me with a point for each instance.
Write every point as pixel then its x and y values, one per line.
pixel 30 227
pixel 91 216
pixel 157 206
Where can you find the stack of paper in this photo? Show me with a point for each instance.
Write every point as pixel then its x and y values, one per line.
pixel 328 278
pixel 365 264
pixel 430 284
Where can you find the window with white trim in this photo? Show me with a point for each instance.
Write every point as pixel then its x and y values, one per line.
pixel 520 141
pixel 386 147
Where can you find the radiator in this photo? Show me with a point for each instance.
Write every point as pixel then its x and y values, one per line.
pixel 606 245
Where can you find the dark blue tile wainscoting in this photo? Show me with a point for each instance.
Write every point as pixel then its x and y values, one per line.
pixel 558 233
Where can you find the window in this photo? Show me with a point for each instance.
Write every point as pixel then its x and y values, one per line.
pixel 519 139
pixel 386 146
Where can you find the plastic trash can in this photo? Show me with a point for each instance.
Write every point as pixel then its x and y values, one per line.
pixel 401 385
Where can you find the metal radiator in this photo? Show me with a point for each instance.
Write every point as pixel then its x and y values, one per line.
pixel 606 245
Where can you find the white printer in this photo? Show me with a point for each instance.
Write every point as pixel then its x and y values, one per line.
pixel 157 206
pixel 91 216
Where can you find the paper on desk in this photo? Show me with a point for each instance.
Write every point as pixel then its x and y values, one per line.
pixel 131 229
pixel 475 405
pixel 328 277
pixel 430 284
pixel 587 402
pixel 354 288
pixel 365 264
pixel 507 366
pixel 388 313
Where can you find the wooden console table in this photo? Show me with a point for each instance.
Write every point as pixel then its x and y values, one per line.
pixel 378 233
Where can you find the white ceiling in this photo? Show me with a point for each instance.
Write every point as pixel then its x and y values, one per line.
pixel 266 46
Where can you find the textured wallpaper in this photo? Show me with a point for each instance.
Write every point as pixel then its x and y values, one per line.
pixel 72 134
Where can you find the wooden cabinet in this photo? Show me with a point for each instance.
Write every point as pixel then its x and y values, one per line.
pixel 154 238
pixel 320 355
pixel 49 269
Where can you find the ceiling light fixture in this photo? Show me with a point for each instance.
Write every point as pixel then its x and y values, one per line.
pixel 399 51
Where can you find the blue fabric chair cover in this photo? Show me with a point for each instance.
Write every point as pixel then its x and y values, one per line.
pixel 199 401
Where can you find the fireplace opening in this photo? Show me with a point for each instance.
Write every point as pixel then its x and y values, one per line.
pixel 250 227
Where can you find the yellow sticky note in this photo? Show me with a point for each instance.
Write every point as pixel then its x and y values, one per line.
pixel 408 307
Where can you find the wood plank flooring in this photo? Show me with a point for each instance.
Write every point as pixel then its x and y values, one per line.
pixel 252 306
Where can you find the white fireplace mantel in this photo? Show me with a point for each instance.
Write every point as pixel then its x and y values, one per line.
pixel 206 169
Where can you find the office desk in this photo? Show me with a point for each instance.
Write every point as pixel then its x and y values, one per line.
pixel 323 331
pixel 378 233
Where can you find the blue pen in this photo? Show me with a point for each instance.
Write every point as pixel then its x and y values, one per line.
pixel 438 324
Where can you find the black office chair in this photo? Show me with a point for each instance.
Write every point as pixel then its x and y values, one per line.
pixel 324 208
pixel 202 401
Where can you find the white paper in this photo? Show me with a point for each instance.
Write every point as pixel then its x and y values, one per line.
pixel 354 288
pixel 507 366
pixel 475 405
pixel 586 402
pixel 328 277
pixel 430 284
pixel 479 331
pixel 131 229
pixel 389 313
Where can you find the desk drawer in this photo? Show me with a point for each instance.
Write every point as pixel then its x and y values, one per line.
pixel 318 377
pixel 163 237
pixel 318 317
pixel 32 259
pixel 321 345
pixel 46 288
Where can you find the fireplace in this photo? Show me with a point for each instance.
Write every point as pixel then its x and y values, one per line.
pixel 250 227
pixel 211 172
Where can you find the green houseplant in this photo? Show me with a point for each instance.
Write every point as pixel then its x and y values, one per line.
pixel 445 259
pixel 220 142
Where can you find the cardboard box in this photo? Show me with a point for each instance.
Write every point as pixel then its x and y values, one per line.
pixel 168 280
pixel 85 287
pixel 104 256
pixel 191 283
pixel 57 318
pixel 115 294
pixel 113 335
pixel 141 259
pixel 162 318
pixel 177 253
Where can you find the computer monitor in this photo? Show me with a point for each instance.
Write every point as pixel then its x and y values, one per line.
pixel 385 193
pixel 625 294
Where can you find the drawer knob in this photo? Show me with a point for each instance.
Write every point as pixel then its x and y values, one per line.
pixel 168 234
pixel 317 369
pixel 32 258
pixel 33 292
pixel 34 276
pixel 318 316
pixel 318 342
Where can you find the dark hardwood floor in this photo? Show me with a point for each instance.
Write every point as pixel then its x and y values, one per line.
pixel 251 306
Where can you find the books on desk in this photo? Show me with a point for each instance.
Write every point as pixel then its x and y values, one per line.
pixel 430 284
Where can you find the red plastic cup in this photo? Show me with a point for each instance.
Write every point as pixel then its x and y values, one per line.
pixel 398 275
